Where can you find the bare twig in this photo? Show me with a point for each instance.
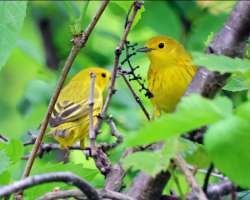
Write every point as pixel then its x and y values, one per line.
pixel 199 194
pixel 136 6
pixel 3 138
pixel 92 135
pixel 114 132
pixel 136 97
pixel 65 177
pixel 78 43
pixel 206 180
pixel 45 148
pixel 77 194
pixel 135 77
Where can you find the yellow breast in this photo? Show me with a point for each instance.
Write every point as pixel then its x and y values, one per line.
pixel 168 84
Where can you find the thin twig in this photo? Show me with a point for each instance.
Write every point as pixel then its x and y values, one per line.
pixel 206 180
pixel 135 77
pixel 198 192
pixel 136 6
pixel 45 148
pixel 136 97
pixel 79 42
pixel 77 194
pixel 114 132
pixel 3 138
pixel 65 177
pixel 92 135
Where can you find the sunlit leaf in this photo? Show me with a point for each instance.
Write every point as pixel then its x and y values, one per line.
pixel 193 112
pixel 153 162
pixel 236 83
pixel 12 15
pixel 5 161
pixel 221 63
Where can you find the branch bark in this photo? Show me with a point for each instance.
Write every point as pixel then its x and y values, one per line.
pixel 230 41
pixel 77 194
pixel 197 191
pixel 65 177
pixel 78 43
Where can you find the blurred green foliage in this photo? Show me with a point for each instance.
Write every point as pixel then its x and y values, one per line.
pixel 27 81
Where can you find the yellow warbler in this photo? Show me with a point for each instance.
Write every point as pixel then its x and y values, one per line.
pixel 169 74
pixel 70 117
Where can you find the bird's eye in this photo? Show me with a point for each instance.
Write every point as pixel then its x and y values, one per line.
pixel 161 45
pixel 103 75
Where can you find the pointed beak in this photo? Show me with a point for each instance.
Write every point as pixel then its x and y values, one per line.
pixel 144 49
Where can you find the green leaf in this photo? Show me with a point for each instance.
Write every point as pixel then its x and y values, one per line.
pixel 243 110
pixel 228 145
pixel 14 150
pixel 138 16
pixel 86 173
pixel 236 83
pixel 197 156
pixel 221 63
pixel 192 112
pixel 153 162
pixel 5 177
pixel 12 15
pixel 5 162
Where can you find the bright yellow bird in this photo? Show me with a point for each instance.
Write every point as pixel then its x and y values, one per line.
pixel 70 118
pixel 169 74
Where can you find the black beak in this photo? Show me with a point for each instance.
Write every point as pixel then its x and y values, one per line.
pixel 144 49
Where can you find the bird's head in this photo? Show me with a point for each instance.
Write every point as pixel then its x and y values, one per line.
pixel 102 76
pixel 162 49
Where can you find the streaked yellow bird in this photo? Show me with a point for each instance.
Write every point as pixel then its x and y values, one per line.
pixel 70 117
pixel 169 74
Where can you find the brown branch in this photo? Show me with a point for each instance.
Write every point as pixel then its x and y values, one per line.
pixel 79 42
pixel 45 148
pixel 136 97
pixel 230 41
pixel 114 132
pixel 218 190
pixel 136 6
pixel 198 192
pixel 77 194
pixel 92 135
pixel 65 177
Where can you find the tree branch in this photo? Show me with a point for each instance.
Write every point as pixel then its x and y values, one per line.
pixel 197 191
pixel 216 191
pixel 136 97
pixel 77 194
pixel 92 134
pixel 78 43
pixel 136 6
pixel 230 41
pixel 65 177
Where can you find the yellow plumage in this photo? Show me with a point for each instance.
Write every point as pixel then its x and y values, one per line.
pixel 70 118
pixel 169 74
